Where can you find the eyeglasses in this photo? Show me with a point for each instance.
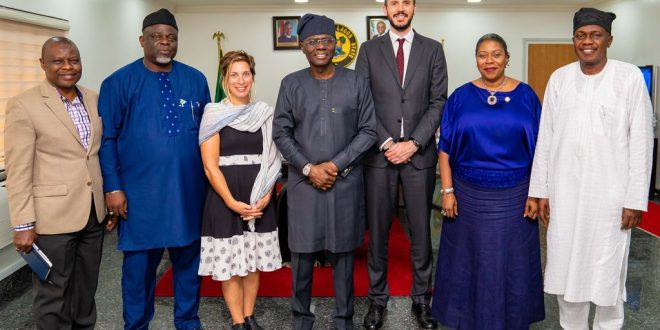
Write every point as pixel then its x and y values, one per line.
pixel 316 42
pixel 596 35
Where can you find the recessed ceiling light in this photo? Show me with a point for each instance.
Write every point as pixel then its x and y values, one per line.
pixel 300 0
pixel 380 0
pixel 474 0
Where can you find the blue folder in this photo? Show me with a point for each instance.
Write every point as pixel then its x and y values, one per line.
pixel 38 261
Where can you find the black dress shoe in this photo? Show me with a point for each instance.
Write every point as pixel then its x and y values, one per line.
pixel 252 324
pixel 374 318
pixel 239 326
pixel 423 314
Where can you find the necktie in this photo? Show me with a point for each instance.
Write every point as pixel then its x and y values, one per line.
pixel 399 58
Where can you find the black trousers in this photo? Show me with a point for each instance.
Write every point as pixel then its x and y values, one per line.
pixel 67 300
pixel 381 196
pixel 302 268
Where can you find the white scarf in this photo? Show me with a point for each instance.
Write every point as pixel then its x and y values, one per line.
pixel 247 118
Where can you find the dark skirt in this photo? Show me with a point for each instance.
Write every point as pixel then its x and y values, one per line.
pixel 489 265
pixel 219 221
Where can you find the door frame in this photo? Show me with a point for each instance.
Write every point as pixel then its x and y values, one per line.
pixel 529 41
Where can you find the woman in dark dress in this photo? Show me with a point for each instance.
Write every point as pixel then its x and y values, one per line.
pixel 239 228
pixel 489 264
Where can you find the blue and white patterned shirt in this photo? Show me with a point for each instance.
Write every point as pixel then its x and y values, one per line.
pixel 78 113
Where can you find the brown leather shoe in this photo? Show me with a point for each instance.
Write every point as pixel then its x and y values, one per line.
pixel 423 314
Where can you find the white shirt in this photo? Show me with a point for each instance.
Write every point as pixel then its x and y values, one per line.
pixel 406 48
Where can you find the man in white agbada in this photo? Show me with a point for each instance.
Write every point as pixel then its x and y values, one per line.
pixel 591 172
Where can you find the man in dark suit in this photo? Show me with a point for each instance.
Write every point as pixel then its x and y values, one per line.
pixel 408 96
pixel 52 138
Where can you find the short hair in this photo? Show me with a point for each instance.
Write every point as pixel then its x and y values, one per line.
pixel 494 37
pixel 385 3
pixel 230 58
pixel 57 41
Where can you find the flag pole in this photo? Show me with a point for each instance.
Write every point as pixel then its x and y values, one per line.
pixel 219 93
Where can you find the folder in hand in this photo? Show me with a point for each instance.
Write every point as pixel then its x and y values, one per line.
pixel 38 261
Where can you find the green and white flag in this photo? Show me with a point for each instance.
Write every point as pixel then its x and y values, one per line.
pixel 219 92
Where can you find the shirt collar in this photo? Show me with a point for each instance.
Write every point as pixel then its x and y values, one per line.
pixel 409 36
pixel 77 99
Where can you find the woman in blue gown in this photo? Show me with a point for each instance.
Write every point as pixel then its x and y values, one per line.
pixel 489 264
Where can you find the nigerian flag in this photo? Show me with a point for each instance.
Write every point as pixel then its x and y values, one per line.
pixel 219 93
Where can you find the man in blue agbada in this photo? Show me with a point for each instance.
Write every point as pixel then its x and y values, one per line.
pixel 152 171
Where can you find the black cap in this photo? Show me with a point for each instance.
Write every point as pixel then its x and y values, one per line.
pixel 312 24
pixel 162 16
pixel 593 16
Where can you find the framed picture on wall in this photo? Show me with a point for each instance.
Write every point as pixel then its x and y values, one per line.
pixel 377 26
pixel 285 35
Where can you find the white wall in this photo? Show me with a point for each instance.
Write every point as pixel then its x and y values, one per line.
pixel 635 40
pixel 106 31
pixel 250 29
pixel 635 33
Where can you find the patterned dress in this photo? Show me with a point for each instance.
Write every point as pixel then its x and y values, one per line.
pixel 228 247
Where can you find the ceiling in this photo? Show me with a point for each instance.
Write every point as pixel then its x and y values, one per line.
pixel 364 3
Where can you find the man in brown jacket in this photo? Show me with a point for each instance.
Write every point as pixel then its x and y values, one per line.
pixel 52 137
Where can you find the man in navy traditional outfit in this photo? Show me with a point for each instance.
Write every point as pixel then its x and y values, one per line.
pixel 151 110
pixel 324 123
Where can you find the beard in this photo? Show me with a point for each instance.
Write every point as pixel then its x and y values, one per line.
pixel 163 60
pixel 400 27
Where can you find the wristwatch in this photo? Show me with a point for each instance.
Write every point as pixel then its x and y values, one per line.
pixel 306 169
pixel 447 191
pixel 419 146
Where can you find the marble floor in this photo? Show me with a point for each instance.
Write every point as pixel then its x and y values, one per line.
pixel 642 309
